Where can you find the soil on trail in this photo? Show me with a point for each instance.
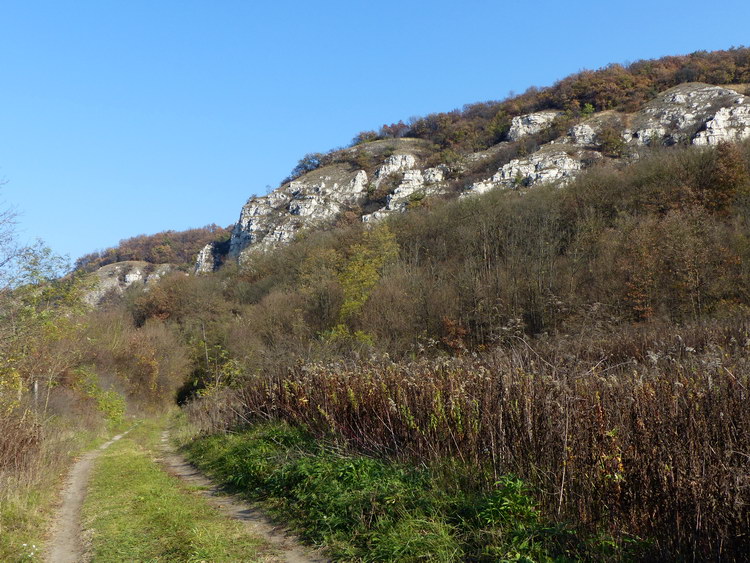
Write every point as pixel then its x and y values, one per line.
pixel 66 545
pixel 286 545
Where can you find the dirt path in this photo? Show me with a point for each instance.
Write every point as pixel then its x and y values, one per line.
pixel 66 545
pixel 287 545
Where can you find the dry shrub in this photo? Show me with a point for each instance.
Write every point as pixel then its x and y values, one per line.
pixel 36 442
pixel 20 440
pixel 218 411
pixel 654 444
pixel 148 363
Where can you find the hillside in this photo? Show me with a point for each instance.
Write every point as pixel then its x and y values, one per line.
pixel 555 303
pixel 590 338
pixel 178 248
pixel 515 332
pixel 379 176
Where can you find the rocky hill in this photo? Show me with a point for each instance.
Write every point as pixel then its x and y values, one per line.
pixel 114 279
pixel 372 180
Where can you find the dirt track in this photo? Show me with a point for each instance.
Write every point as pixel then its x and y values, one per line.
pixel 66 545
pixel 286 545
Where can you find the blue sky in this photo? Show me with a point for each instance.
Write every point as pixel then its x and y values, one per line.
pixel 127 117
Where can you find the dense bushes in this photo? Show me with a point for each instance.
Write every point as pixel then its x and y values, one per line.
pixel 589 339
pixel 662 239
pixel 173 247
pixel 478 126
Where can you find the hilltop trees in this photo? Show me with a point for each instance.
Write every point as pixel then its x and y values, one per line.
pixel 174 247
pixel 478 126
pixel 589 339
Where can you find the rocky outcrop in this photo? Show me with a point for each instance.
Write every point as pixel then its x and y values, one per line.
pixel 689 113
pixel 545 166
pixel 318 197
pixel 114 279
pixel 414 186
pixel 530 124
pixel 692 112
pixel 727 124
pixel 314 198
pixel 394 164
pixel 208 259
pixel 583 134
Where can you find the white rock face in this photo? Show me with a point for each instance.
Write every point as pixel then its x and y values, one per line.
pixel 314 198
pixel 116 278
pixel 728 124
pixel 393 164
pixel 525 125
pixel 582 134
pixel 207 260
pixel 538 168
pixel 415 184
pixel 691 112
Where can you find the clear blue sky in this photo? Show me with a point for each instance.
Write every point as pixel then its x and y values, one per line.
pixel 127 117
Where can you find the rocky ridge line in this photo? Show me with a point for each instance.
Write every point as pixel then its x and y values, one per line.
pixel 691 113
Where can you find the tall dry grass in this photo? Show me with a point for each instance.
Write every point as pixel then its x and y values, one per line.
pixel 37 445
pixel 646 433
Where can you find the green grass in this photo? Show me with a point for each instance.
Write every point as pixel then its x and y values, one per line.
pixel 137 512
pixel 365 509
pixel 22 521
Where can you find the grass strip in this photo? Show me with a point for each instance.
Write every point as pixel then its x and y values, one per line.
pixel 137 512
pixel 365 509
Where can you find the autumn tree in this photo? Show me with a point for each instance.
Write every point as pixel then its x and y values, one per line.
pixel 725 178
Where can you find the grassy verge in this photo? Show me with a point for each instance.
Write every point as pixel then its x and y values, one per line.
pixel 367 509
pixel 137 512
pixel 28 496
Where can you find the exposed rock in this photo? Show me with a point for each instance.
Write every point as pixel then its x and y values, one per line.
pixel 728 124
pixel 586 133
pixel 116 278
pixel 312 199
pixel 393 164
pixel 583 134
pixel 415 185
pixel 692 112
pixel 525 125
pixel 208 259
pixel 681 114
pixel 544 166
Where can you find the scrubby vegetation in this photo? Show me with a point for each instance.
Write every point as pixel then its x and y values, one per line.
pixel 480 125
pixel 450 136
pixel 173 247
pixel 584 347
pixel 590 340
pixel 66 377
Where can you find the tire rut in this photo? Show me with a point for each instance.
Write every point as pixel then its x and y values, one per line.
pixel 66 544
pixel 287 545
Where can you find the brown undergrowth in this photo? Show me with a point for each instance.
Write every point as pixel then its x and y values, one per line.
pixel 646 432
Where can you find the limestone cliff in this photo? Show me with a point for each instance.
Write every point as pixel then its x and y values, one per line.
pixel 114 279
pixel 376 179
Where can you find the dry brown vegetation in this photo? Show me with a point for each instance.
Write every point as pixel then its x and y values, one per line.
pixel 650 441
pixel 66 377
pixel 172 247
pixel 478 126
pixel 592 340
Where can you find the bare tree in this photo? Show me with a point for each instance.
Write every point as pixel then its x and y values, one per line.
pixel 8 246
